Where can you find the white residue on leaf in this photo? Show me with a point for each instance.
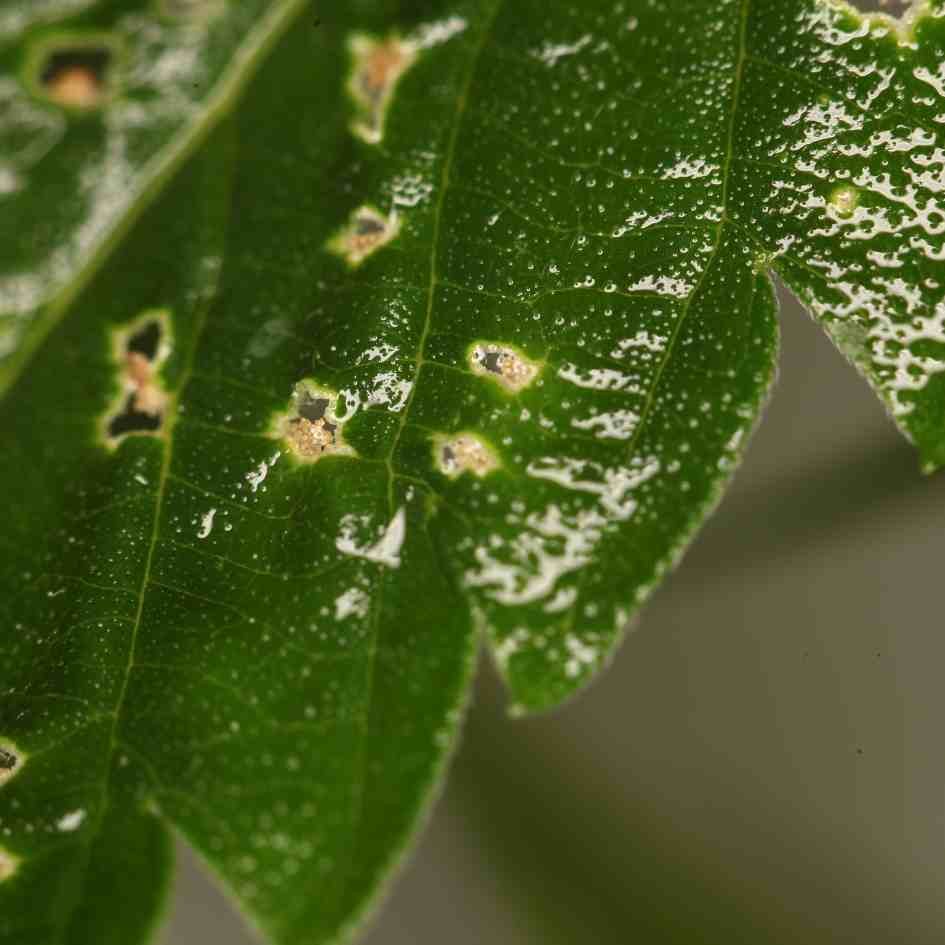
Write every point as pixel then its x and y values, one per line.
pixel 385 551
pixel 616 425
pixel 528 567
pixel 256 477
pixel 505 649
pixel 352 602
pixel 662 285
pixel 563 599
pixel 581 656
pixel 390 391
pixel 642 339
pixel 410 190
pixel 550 53
pixel 71 821
pixel 206 524
pixel 378 354
pixel 613 485
pixel 433 34
pixel 597 378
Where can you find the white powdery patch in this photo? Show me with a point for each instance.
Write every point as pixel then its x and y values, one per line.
pixel 71 821
pixel 616 425
pixel 378 354
pixel 642 339
pixel 613 485
pixel 410 190
pixel 935 79
pixel 433 34
pixel 206 524
pixel 551 53
pixel 581 656
pixel 550 546
pixel 505 649
pixel 662 285
pixel 390 391
pixel 256 477
pixel 598 378
pixel 385 551
pixel 891 349
pixel 353 602
pixel 690 168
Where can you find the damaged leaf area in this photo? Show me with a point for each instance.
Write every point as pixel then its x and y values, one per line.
pixel 365 233
pixel 74 71
pixel 462 453
pixel 508 367
pixel 139 353
pixel 93 119
pixel 472 320
pixel 311 427
pixel 377 65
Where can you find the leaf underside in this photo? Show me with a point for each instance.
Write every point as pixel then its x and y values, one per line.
pixel 459 322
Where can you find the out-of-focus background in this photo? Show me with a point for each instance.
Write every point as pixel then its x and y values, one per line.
pixel 763 762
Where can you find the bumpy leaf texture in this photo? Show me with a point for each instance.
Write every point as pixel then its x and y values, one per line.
pixel 455 326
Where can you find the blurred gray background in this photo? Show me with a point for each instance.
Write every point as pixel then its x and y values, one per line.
pixel 763 761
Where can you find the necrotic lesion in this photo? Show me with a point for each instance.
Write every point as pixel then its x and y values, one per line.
pixel 142 408
pixel 76 76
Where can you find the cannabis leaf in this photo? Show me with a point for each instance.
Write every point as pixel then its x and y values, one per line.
pixel 459 323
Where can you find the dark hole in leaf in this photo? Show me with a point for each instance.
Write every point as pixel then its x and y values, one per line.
pixel 94 61
pixel 449 456
pixel 142 412
pixel 132 420
pixel 7 760
pixel 313 409
pixel 146 340
pixel 492 361
pixel 368 226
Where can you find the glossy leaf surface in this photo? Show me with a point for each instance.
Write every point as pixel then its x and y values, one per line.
pixel 460 322
pixel 99 102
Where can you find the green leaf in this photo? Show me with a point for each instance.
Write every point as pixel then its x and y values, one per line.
pixel 99 103
pixel 460 322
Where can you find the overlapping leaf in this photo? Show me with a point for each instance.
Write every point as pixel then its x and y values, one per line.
pixel 460 322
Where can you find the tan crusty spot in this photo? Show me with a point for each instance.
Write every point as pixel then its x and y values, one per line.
pixel 311 426
pixel 366 231
pixel 504 364
pixel 377 67
pixel 75 87
pixel 464 452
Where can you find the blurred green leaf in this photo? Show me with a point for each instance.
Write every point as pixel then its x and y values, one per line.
pixel 460 321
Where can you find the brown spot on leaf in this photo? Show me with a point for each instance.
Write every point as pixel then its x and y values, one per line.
pixel 366 231
pixel 464 452
pixel 504 364
pixel 378 66
pixel 311 426
pixel 76 76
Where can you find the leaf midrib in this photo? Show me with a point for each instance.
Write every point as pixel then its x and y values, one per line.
pixel 419 361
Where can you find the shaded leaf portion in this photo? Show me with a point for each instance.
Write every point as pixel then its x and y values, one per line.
pixel 462 322
pixel 98 103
